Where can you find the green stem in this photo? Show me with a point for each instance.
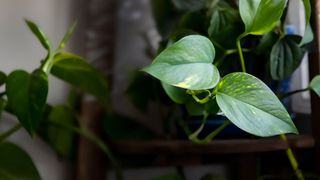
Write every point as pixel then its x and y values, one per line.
pixel 293 92
pixel 8 133
pixel 194 136
pixel 243 66
pixel 96 140
pixel 292 159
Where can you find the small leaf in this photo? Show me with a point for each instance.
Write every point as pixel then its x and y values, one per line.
pixel 3 78
pixel 187 64
pixel 61 139
pixel 189 5
pixel 261 16
pixel 252 106
pixel 308 34
pixel 67 35
pixel 315 84
pixel 176 94
pixel 42 37
pixel 286 56
pixel 76 71
pixel 16 164
pixel 27 96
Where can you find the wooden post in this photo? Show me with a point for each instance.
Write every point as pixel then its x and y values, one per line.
pixel 91 162
pixel 314 69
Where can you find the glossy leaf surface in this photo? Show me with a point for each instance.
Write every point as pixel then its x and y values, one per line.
pixel 187 64
pixel 27 96
pixel 261 16
pixel 42 37
pixel 252 106
pixel 286 56
pixel 76 71
pixel 315 84
pixel 16 164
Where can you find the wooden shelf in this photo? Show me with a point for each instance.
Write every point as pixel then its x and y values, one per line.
pixel 231 146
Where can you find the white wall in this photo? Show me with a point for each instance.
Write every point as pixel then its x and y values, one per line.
pixel 20 49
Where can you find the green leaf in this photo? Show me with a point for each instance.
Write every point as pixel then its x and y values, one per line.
pixel 315 84
pixel 3 78
pixel 61 139
pixel 67 36
pixel 27 96
pixel 42 37
pixel 222 18
pixel 252 106
pixel 286 56
pixel 16 164
pixel 76 71
pixel 261 16
pixel 187 64
pixel 176 94
pixel 308 34
pixel 189 5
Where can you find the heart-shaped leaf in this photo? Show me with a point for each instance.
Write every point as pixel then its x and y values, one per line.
pixel 261 16
pixel 76 71
pixel 16 164
pixel 190 5
pixel 252 106
pixel 286 56
pixel 315 84
pixel 187 64
pixel 42 37
pixel 27 96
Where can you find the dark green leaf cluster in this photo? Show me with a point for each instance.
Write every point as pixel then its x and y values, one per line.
pixel 199 66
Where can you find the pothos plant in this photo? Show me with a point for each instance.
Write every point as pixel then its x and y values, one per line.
pixel 197 65
pixel 25 97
